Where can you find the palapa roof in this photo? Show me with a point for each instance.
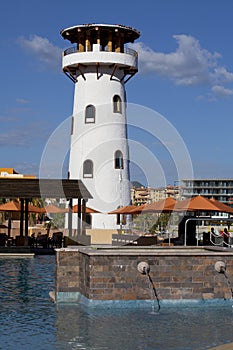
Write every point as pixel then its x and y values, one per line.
pixel 224 207
pixel 42 188
pixel 72 33
pixel 88 210
pixel 123 210
pixel 164 205
pixel 198 203
pixel 14 206
pixel 53 209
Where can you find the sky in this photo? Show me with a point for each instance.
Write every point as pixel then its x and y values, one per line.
pixel 185 76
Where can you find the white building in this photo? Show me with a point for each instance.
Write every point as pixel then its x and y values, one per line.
pixel 99 64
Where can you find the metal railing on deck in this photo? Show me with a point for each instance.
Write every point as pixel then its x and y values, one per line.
pixel 74 49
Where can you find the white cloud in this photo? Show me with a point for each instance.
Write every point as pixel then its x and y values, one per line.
pixel 22 101
pixel 45 51
pixel 189 65
pixel 221 91
pixel 223 76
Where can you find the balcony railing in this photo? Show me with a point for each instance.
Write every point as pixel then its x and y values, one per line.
pixel 127 50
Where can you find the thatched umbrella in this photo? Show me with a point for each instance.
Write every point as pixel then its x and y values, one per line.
pixel 88 210
pixel 14 206
pixel 197 203
pixel 165 205
pixel 224 207
pixel 127 209
pixel 53 209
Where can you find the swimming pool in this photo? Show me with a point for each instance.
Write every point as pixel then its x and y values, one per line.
pixel 29 320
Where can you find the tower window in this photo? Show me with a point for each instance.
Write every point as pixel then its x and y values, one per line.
pixel 90 114
pixel 117 104
pixel 119 164
pixel 88 169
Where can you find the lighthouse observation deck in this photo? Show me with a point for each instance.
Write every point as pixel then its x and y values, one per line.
pixel 100 45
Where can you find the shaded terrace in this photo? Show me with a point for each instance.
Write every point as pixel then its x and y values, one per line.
pixel 26 189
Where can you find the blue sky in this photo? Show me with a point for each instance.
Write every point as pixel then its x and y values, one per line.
pixel 185 74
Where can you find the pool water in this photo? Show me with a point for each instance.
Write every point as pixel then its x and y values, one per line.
pixel 27 316
pixel 29 320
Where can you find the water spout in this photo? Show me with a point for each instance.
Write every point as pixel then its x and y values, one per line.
pixel 220 267
pixel 144 268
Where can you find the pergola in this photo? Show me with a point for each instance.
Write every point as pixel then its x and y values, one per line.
pixel 27 188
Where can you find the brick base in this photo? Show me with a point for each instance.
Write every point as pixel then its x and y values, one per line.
pixel 111 273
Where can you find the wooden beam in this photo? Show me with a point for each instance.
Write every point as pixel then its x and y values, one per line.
pixel 97 70
pixel 114 68
pixel 83 76
pixel 42 188
pixel 69 75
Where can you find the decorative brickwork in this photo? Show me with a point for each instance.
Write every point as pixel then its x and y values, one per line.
pixel 111 274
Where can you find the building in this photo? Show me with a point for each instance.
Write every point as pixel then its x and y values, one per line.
pixel 145 195
pixel 220 189
pixel 12 173
pixel 100 64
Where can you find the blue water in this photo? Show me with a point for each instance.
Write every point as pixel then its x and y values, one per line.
pixel 29 320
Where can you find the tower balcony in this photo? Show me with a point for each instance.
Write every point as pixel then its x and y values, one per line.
pixel 97 47
pixel 128 57
pixel 74 59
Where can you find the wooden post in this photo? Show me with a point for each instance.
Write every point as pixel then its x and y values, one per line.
pixel 84 218
pixel 110 41
pixel 26 218
pixel 98 38
pixel 21 216
pixel 79 216
pixel 122 42
pixel 88 43
pixel 9 224
pixel 118 42
pixel 70 217
pixel 81 45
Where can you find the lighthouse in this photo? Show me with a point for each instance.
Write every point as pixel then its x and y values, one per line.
pixel 99 64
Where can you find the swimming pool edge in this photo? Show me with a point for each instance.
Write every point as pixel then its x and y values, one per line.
pixel 78 298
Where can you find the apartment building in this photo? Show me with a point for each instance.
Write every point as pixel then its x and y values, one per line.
pixel 220 189
pixel 145 195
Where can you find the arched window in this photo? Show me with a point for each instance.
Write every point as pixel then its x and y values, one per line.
pixel 117 104
pixel 90 114
pixel 88 169
pixel 119 164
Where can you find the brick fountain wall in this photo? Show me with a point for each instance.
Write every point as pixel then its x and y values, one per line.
pixel 103 274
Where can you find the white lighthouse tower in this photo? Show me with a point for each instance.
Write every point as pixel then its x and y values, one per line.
pixel 100 64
